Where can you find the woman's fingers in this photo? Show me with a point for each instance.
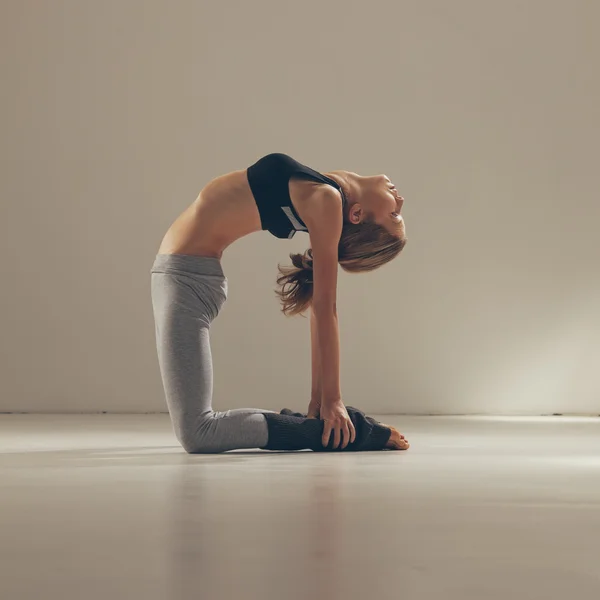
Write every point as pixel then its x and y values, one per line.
pixel 352 431
pixel 326 433
pixel 336 429
pixel 344 433
pixel 337 435
pixel 336 420
pixel 346 436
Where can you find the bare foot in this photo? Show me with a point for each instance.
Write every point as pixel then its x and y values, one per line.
pixel 397 440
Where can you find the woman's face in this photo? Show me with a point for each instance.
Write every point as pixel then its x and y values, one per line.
pixel 381 202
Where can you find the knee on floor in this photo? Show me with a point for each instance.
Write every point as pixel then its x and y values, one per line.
pixel 196 438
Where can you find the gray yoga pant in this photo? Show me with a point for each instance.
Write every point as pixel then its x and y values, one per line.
pixel 187 294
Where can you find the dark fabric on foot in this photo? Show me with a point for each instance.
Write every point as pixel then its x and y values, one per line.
pixel 291 413
pixel 293 431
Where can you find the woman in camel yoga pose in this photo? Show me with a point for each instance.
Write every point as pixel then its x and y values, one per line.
pixel 353 221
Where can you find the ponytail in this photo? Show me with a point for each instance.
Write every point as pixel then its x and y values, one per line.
pixel 363 247
pixel 296 284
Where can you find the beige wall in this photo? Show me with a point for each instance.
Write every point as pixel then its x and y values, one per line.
pixel 116 112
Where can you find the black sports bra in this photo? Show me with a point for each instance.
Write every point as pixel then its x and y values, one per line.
pixel 269 181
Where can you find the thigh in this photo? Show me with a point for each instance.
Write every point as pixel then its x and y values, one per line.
pixel 183 344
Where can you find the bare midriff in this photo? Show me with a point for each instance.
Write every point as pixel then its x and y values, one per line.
pixel 224 212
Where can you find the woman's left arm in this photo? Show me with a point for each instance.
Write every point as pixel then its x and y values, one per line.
pixel 316 393
pixel 325 224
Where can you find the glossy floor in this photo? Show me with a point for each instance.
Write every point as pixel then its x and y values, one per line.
pixel 106 506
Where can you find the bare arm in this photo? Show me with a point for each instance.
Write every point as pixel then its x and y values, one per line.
pixel 325 227
pixel 316 393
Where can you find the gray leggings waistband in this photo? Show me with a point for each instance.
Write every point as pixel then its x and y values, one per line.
pixel 185 263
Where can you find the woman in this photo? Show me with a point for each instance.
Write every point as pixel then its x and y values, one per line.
pixel 352 221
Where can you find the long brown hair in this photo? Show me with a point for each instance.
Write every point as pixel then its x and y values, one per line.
pixel 363 247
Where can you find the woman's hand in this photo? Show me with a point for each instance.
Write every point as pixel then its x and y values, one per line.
pixel 314 409
pixel 337 420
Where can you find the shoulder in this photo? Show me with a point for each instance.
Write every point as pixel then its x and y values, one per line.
pixel 323 209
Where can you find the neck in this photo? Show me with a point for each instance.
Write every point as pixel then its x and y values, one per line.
pixel 349 184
